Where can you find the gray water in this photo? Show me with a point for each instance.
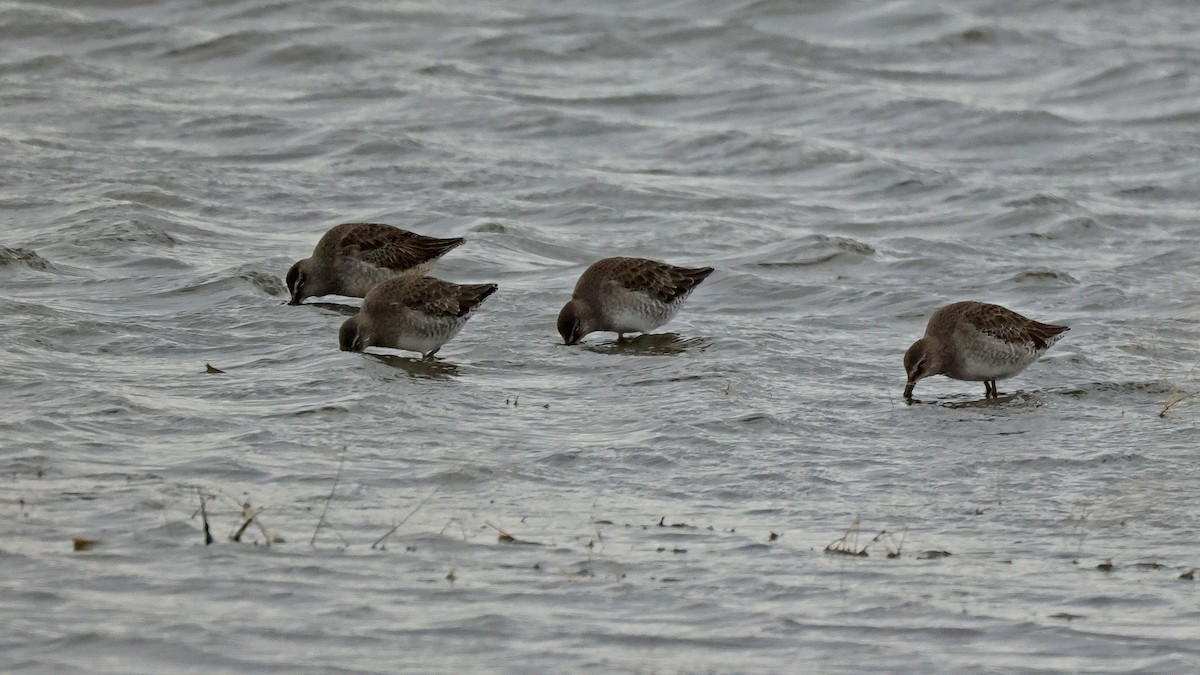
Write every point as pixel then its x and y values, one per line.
pixel 845 167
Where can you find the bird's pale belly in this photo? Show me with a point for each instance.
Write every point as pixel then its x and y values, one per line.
pixel 638 320
pixel 995 366
pixel 422 333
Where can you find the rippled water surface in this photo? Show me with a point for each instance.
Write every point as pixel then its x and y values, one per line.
pixel 661 505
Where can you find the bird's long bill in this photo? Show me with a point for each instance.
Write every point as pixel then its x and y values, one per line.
pixel 908 389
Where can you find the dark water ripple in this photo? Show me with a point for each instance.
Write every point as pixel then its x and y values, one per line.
pixel 846 168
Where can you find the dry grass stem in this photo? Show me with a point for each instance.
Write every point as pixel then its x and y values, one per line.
pixel 847 544
pixel 236 537
pixel 397 526
pixel 83 543
pixel 599 537
pixel 455 521
pixel 894 548
pixel 250 517
pixel 504 536
pixel 321 521
pixel 208 539
pixel 1178 398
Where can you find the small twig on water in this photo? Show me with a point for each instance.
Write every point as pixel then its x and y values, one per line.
pixel 898 544
pixel 321 521
pixel 457 521
pixel 237 536
pixel 251 517
pixel 504 535
pixel 1171 402
pixel 208 539
pixel 847 544
pixel 410 515
pixel 599 536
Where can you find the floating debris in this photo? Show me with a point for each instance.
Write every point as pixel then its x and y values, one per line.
pixel 505 538
pixel 1066 616
pixel 581 574
pixel 894 547
pixel 237 536
pixel 379 543
pixel 930 555
pixel 321 521
pixel 847 544
pixel 1177 398
pixel 208 539
pixel 1106 566
pixel 1189 575
pixel 23 256
pixel 211 369
pixel 83 543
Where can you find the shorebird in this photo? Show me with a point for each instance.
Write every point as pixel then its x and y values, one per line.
pixel 350 259
pixel 413 313
pixel 977 342
pixel 626 295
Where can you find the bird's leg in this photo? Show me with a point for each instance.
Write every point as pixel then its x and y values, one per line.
pixel 990 389
pixel 430 354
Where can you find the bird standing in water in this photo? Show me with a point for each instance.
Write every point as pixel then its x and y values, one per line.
pixel 412 312
pixel 626 295
pixel 350 259
pixel 978 342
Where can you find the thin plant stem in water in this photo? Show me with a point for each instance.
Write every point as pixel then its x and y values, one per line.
pixel 321 521
pixel 250 516
pixel 397 526
pixel 208 539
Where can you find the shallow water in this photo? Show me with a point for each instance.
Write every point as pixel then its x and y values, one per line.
pixel 846 168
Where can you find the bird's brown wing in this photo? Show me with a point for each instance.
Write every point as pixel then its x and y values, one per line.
pixel 387 246
pixel 663 282
pixel 1007 326
pixel 435 297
